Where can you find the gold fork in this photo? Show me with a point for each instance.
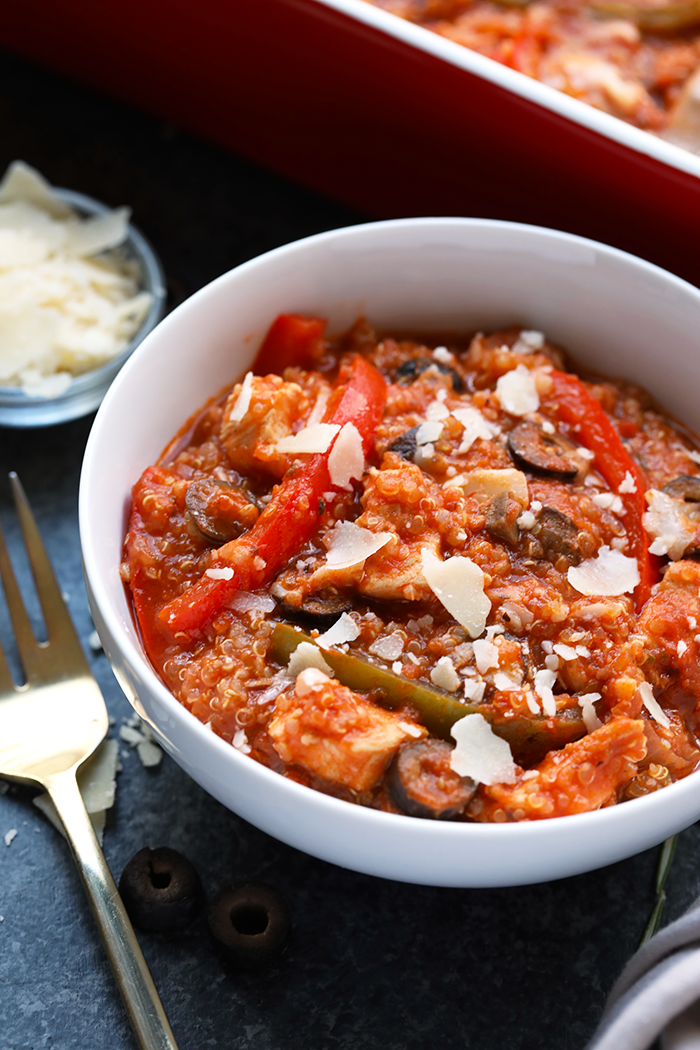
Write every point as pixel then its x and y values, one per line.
pixel 48 727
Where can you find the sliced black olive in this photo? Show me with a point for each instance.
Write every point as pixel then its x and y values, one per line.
pixel 423 784
pixel 684 487
pixel 405 444
pixel 220 509
pixel 545 454
pixel 502 518
pixel 415 366
pixel 161 890
pixel 250 924
pixel 558 535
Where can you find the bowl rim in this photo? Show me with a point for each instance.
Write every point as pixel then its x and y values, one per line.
pixel 153 281
pixel 137 661
pixel 517 83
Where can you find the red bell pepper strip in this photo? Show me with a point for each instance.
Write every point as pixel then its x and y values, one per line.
pixel 291 340
pixel 290 518
pixel 580 410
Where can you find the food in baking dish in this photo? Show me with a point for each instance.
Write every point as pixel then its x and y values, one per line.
pixel 635 59
pixel 436 576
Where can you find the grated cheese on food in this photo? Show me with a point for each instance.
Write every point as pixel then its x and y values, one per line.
pixel 517 391
pixel 444 675
pixel 485 655
pixel 544 680
pixel 609 573
pixel 343 630
pixel 459 584
pixel 346 459
pixel 652 705
pixel 314 438
pixel 670 523
pixel 351 544
pixel 479 753
pixel 307 655
pixel 240 408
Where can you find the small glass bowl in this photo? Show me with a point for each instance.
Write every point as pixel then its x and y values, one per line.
pixel 86 391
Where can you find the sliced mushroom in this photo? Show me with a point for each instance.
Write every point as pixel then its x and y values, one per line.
pixel 502 518
pixel 415 366
pixel 219 509
pixel 558 535
pixel 549 455
pixel 405 444
pixel 685 487
pixel 316 609
pixel 423 784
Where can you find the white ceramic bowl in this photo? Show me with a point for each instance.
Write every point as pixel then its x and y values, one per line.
pixel 615 313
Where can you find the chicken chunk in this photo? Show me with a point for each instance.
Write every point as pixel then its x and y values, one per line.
pixel 335 734
pixel 583 776
pixel 274 409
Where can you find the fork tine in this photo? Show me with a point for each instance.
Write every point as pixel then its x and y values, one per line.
pixel 24 636
pixel 59 627
pixel 7 682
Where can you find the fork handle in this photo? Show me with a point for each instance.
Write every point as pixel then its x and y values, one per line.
pixel 133 977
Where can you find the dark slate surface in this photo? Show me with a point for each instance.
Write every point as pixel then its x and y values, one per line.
pixel 372 964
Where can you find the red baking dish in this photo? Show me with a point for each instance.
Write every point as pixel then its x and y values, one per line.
pixel 378 113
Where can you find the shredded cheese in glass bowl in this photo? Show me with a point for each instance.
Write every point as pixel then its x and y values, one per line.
pixel 79 290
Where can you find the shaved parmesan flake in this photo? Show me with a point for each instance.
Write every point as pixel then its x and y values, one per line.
pixel 517 391
pixel 437 410
pixel 319 409
pixel 387 647
pixel 532 338
pixel 609 573
pixel 343 630
pixel 567 652
pixel 347 458
pixel 544 680
pixel 627 484
pixel 479 753
pixel 485 655
pixel 494 482
pixel 652 705
pixel 429 432
pixel 98 234
pixel 242 404
pixel 474 690
pixel 65 306
pixel 316 438
pixel 532 704
pixel 220 574
pixel 97 783
pixel 505 683
pixel 307 655
pixel 411 728
pixel 459 584
pixel 475 426
pixel 351 544
pixel 670 522
pixel 444 675
pixel 590 718
pixel 443 355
